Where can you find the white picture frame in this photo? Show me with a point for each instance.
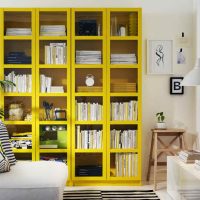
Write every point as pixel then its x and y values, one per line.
pixel 159 57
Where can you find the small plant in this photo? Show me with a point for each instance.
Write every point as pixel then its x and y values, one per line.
pixel 160 116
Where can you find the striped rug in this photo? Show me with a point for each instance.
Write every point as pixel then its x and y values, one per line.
pixel 110 195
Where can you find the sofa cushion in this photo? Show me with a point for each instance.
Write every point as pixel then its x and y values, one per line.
pixel 6 145
pixel 4 163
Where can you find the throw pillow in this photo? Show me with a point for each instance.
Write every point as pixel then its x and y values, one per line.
pixel 6 145
pixel 4 163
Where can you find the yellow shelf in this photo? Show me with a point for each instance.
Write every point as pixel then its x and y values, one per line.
pixel 16 94
pixel 53 37
pixel 22 150
pixel 92 94
pixel 88 178
pixel 88 66
pixel 53 122
pixel 19 37
pixel 124 38
pixel 18 122
pixel 88 151
pixel 53 150
pixel 52 66
pixel 89 37
pixel 13 66
pixel 125 178
pixel 124 122
pixel 51 94
pixel 124 94
pixel 123 66
pixel 89 122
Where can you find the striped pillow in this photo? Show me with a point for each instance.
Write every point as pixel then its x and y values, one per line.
pixel 4 163
pixel 6 145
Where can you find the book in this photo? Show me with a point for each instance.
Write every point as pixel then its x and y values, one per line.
pixel 49 146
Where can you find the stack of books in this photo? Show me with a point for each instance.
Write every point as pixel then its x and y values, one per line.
pixel 17 58
pixel 51 158
pixel 18 31
pixel 189 156
pixel 123 59
pixel 56 53
pixel 89 170
pixel 124 110
pixel 197 164
pixel 123 87
pixel 52 30
pixel 21 140
pixel 123 139
pixel 88 57
pixel 23 82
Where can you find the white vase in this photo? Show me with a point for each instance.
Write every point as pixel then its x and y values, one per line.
pixel 160 125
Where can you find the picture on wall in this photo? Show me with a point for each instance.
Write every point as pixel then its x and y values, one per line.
pixel 159 57
pixel 175 85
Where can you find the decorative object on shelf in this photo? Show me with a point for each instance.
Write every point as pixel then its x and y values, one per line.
pixel 122 31
pixel 16 111
pixel 28 117
pixel 47 128
pixel 113 26
pixel 48 107
pixel 159 57
pixel 60 114
pixel 160 123
pixel 87 27
pixel 89 80
pixel 175 86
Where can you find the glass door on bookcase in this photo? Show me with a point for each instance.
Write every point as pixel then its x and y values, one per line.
pixel 18 67
pixel 53 85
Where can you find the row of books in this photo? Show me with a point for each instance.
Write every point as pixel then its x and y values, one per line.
pixel 124 110
pixel 123 58
pixel 46 85
pixel 18 31
pixel 88 111
pixel 88 57
pixel 88 139
pixel 23 82
pixel 189 156
pixel 17 58
pixel 56 53
pixel 126 164
pixel 123 139
pixel 52 30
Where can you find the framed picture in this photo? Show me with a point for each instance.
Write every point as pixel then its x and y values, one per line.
pixel 159 57
pixel 175 85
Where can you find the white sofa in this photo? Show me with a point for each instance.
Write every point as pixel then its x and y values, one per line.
pixel 41 180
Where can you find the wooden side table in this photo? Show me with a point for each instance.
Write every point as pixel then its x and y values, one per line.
pixel 164 147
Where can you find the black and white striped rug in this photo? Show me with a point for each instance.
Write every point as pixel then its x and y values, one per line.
pixel 110 195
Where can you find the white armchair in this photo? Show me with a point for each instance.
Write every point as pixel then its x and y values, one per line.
pixel 41 180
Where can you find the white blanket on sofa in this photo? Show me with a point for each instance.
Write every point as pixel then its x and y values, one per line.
pixel 41 180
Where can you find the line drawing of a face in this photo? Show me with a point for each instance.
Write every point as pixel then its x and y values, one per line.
pixel 159 55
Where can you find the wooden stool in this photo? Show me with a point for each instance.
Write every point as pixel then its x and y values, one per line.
pixel 166 149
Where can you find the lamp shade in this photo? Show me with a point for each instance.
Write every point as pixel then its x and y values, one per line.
pixel 192 78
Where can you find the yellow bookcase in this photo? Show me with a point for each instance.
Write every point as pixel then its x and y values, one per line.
pixel 70 47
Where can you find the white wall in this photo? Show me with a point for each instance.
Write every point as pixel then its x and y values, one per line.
pixel 162 19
